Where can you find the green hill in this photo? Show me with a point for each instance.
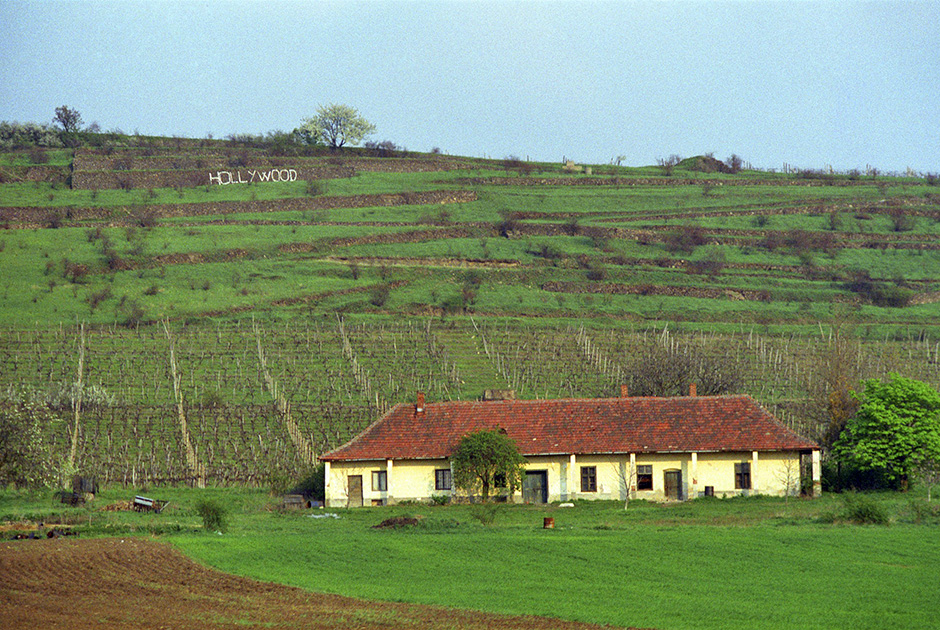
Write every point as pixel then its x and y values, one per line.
pixel 340 283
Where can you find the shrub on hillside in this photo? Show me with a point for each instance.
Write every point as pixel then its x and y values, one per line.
pixel 316 187
pixel 213 515
pixel 379 295
pixel 597 273
pixel 14 135
pixel 863 510
pixel 878 293
pixel 38 156
pixel 685 240
pixel 384 149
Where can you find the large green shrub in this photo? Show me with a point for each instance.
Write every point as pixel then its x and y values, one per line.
pixel 213 515
pixel 863 510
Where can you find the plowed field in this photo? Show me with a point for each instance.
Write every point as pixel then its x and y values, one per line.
pixel 133 583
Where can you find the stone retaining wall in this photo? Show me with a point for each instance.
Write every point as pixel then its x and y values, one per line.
pixel 649 289
pixel 34 216
pixel 48 174
pixel 651 181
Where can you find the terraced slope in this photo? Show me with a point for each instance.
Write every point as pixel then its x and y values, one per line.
pixel 301 305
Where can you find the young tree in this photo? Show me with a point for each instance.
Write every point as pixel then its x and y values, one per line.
pixel 669 164
pixel 69 119
pixel 25 460
pixel 928 473
pixel 335 125
pixel 833 380
pixel 626 476
pixel 482 457
pixel 896 429
pixel 667 370
pixel 734 163
pixel 789 475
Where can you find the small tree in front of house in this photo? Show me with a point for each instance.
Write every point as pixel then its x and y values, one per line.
pixel 483 457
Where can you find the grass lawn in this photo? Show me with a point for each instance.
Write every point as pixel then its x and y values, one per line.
pixel 760 565
pixel 754 562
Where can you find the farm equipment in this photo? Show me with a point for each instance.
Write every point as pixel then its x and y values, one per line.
pixel 146 504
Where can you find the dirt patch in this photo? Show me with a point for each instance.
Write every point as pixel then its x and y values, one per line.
pixel 650 289
pixel 471 263
pixel 398 522
pixel 23 217
pixel 133 583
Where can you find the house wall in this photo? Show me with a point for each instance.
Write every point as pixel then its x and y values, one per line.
pixel 771 473
pixel 406 481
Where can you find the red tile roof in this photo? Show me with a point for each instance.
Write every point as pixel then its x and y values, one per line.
pixel 577 426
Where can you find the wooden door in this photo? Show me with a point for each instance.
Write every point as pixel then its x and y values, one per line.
pixel 354 491
pixel 672 482
pixel 535 487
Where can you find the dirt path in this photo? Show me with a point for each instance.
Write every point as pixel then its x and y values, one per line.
pixel 128 583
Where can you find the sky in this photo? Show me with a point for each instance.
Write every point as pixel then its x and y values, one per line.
pixel 810 84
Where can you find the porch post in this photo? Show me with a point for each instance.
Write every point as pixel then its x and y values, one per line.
pixel 631 477
pixel 755 479
pixel 388 482
pixel 327 494
pixel 693 486
pixel 571 480
pixel 817 474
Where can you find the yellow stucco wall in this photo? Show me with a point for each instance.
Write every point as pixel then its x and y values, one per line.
pixel 771 473
pixel 407 481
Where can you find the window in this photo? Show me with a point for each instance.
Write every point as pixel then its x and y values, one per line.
pixel 443 479
pixel 742 476
pixel 644 477
pixel 588 478
pixel 379 480
pixel 499 480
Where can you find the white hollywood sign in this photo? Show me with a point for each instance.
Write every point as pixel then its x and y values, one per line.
pixel 224 178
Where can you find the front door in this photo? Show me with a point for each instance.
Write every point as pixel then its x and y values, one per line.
pixel 672 481
pixel 354 491
pixel 535 487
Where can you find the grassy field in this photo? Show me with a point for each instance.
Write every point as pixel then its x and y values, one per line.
pixel 725 563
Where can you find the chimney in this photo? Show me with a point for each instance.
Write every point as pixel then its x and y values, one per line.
pixel 623 391
pixel 419 408
pixel 692 390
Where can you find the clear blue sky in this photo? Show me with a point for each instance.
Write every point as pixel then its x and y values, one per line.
pixel 808 83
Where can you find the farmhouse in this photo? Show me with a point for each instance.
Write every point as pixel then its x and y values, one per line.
pixel 660 449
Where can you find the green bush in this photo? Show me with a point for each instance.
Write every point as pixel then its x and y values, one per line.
pixel 863 510
pixel 313 484
pixel 316 187
pixel 212 514
pixel 485 513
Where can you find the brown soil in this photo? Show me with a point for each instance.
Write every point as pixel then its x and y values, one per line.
pixel 398 522
pixel 133 583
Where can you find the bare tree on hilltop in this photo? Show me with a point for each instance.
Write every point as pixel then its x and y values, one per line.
pixel 69 119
